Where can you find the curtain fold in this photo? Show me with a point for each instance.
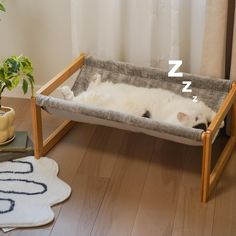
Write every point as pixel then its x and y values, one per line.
pixel 151 32
pixel 214 44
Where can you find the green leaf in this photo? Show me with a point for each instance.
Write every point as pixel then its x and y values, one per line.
pixel 26 65
pixel 30 78
pixel 15 81
pixel 2 8
pixel 8 84
pixel 11 66
pixel 25 86
pixel 1 86
pixel 2 75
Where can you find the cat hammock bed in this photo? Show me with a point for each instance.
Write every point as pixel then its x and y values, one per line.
pixel 218 94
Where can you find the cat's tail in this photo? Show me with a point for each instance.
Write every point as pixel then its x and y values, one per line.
pixel 67 93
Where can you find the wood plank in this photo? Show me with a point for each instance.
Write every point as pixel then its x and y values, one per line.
pixel 192 217
pixel 69 153
pixel 101 157
pixel 157 206
pixel 77 217
pixel 102 152
pixel 29 232
pixel 110 154
pixel 225 207
pixel 120 205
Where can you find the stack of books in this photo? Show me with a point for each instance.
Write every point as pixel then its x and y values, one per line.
pixel 21 146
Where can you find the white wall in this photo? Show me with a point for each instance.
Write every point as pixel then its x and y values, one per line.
pixel 40 30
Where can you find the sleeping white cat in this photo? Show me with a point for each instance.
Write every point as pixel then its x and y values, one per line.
pixel 155 103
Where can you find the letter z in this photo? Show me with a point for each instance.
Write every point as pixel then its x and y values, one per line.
pixel 177 64
pixel 186 88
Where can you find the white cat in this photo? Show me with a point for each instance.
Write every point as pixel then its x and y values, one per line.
pixel 155 103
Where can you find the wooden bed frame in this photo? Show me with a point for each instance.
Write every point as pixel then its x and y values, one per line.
pixel 209 178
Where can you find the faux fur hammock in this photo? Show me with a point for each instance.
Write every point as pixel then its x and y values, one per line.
pixel 211 91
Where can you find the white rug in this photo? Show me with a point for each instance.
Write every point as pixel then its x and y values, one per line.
pixel 28 189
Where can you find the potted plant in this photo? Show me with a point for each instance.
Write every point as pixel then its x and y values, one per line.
pixel 13 70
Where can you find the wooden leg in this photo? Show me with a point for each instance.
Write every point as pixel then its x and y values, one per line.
pixel 37 128
pixel 42 147
pixel 221 162
pixel 210 178
pixel 233 120
pixel 206 165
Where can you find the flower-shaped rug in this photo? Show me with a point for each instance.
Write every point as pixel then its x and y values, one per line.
pixel 28 189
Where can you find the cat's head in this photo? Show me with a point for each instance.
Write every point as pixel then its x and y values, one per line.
pixel 196 120
pixel 189 120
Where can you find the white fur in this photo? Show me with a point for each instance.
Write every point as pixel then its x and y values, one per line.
pixel 164 105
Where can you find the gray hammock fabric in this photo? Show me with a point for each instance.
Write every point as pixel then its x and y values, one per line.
pixel 211 91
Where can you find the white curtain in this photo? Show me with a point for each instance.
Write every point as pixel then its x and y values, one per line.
pixel 151 32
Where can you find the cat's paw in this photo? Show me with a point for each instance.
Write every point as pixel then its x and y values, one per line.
pixel 222 124
pixel 66 92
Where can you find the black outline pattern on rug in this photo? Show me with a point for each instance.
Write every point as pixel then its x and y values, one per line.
pixel 12 202
pixel 19 172
pixel 12 205
pixel 26 181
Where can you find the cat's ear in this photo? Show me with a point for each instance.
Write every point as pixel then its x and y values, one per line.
pixel 210 115
pixel 182 117
pixel 95 80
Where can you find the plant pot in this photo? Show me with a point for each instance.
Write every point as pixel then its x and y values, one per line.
pixel 7 117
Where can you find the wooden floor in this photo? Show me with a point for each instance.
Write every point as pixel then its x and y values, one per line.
pixel 131 184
